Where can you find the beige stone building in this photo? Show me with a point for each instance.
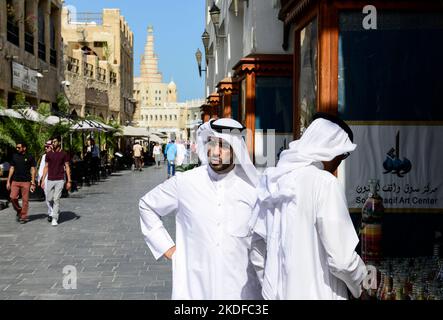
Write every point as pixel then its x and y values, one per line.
pixel 98 50
pixel 177 120
pixel 30 50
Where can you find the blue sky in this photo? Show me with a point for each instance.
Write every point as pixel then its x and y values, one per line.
pixel 178 26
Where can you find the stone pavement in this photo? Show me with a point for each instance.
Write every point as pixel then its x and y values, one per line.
pixel 99 234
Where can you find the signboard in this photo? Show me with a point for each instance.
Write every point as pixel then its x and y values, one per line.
pixel 406 161
pixel 24 79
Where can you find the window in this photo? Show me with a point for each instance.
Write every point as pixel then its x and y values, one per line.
pixel 307 98
pixel 170 117
pixel 53 37
pixel 410 89
pixel 88 69
pixel 73 65
pixel 41 32
pixel 112 77
pixel 99 44
pixel 175 117
pixel 12 23
pixel 276 92
pixel 101 74
pixel 30 25
pixel 151 117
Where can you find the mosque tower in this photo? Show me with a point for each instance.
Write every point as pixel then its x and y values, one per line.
pixel 149 64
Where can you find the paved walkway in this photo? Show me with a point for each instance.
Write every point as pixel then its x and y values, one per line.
pixel 99 233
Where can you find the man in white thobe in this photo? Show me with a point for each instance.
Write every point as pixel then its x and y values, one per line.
pixel 213 205
pixel 48 148
pixel 303 217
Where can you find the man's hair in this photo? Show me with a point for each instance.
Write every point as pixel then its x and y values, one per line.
pixel 59 138
pixel 337 121
pixel 22 143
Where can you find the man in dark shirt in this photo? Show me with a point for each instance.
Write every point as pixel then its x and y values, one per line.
pixel 57 164
pixel 21 179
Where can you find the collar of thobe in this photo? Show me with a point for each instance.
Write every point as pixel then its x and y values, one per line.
pixel 217 177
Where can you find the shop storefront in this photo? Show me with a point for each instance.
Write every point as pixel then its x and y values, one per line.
pixel 379 68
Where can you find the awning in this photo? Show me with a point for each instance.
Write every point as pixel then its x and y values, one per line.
pixel 92 125
pixel 153 138
pixel 130 131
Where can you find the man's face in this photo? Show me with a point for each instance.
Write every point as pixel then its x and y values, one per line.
pixel 20 148
pixel 48 148
pixel 55 144
pixel 220 154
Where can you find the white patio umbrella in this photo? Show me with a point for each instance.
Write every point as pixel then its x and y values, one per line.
pixel 52 120
pixel 10 113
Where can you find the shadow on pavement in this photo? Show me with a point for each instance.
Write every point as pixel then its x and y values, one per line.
pixel 67 216
pixel 37 217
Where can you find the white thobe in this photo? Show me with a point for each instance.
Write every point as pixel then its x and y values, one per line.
pixel 213 239
pixel 312 256
pixel 41 168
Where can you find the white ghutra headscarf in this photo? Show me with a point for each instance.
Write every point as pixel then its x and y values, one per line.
pixel 230 131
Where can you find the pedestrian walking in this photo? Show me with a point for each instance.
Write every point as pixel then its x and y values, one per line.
pixel 157 152
pixel 48 148
pixel 181 153
pixel 21 180
pixel 171 155
pixel 213 205
pixel 57 165
pixel 138 154
pixel 95 160
pixel 304 219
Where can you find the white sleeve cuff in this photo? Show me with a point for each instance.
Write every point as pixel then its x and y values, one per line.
pixel 159 241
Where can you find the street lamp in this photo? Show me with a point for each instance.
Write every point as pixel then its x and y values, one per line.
pixel 198 57
pixel 205 40
pixel 214 12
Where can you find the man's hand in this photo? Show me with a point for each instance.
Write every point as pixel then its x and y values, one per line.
pixel 32 189
pixel 8 186
pixel 168 254
pixel 42 185
pixel 68 185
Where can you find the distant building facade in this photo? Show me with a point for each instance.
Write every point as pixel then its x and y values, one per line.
pixel 177 120
pixel 30 51
pixel 98 50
